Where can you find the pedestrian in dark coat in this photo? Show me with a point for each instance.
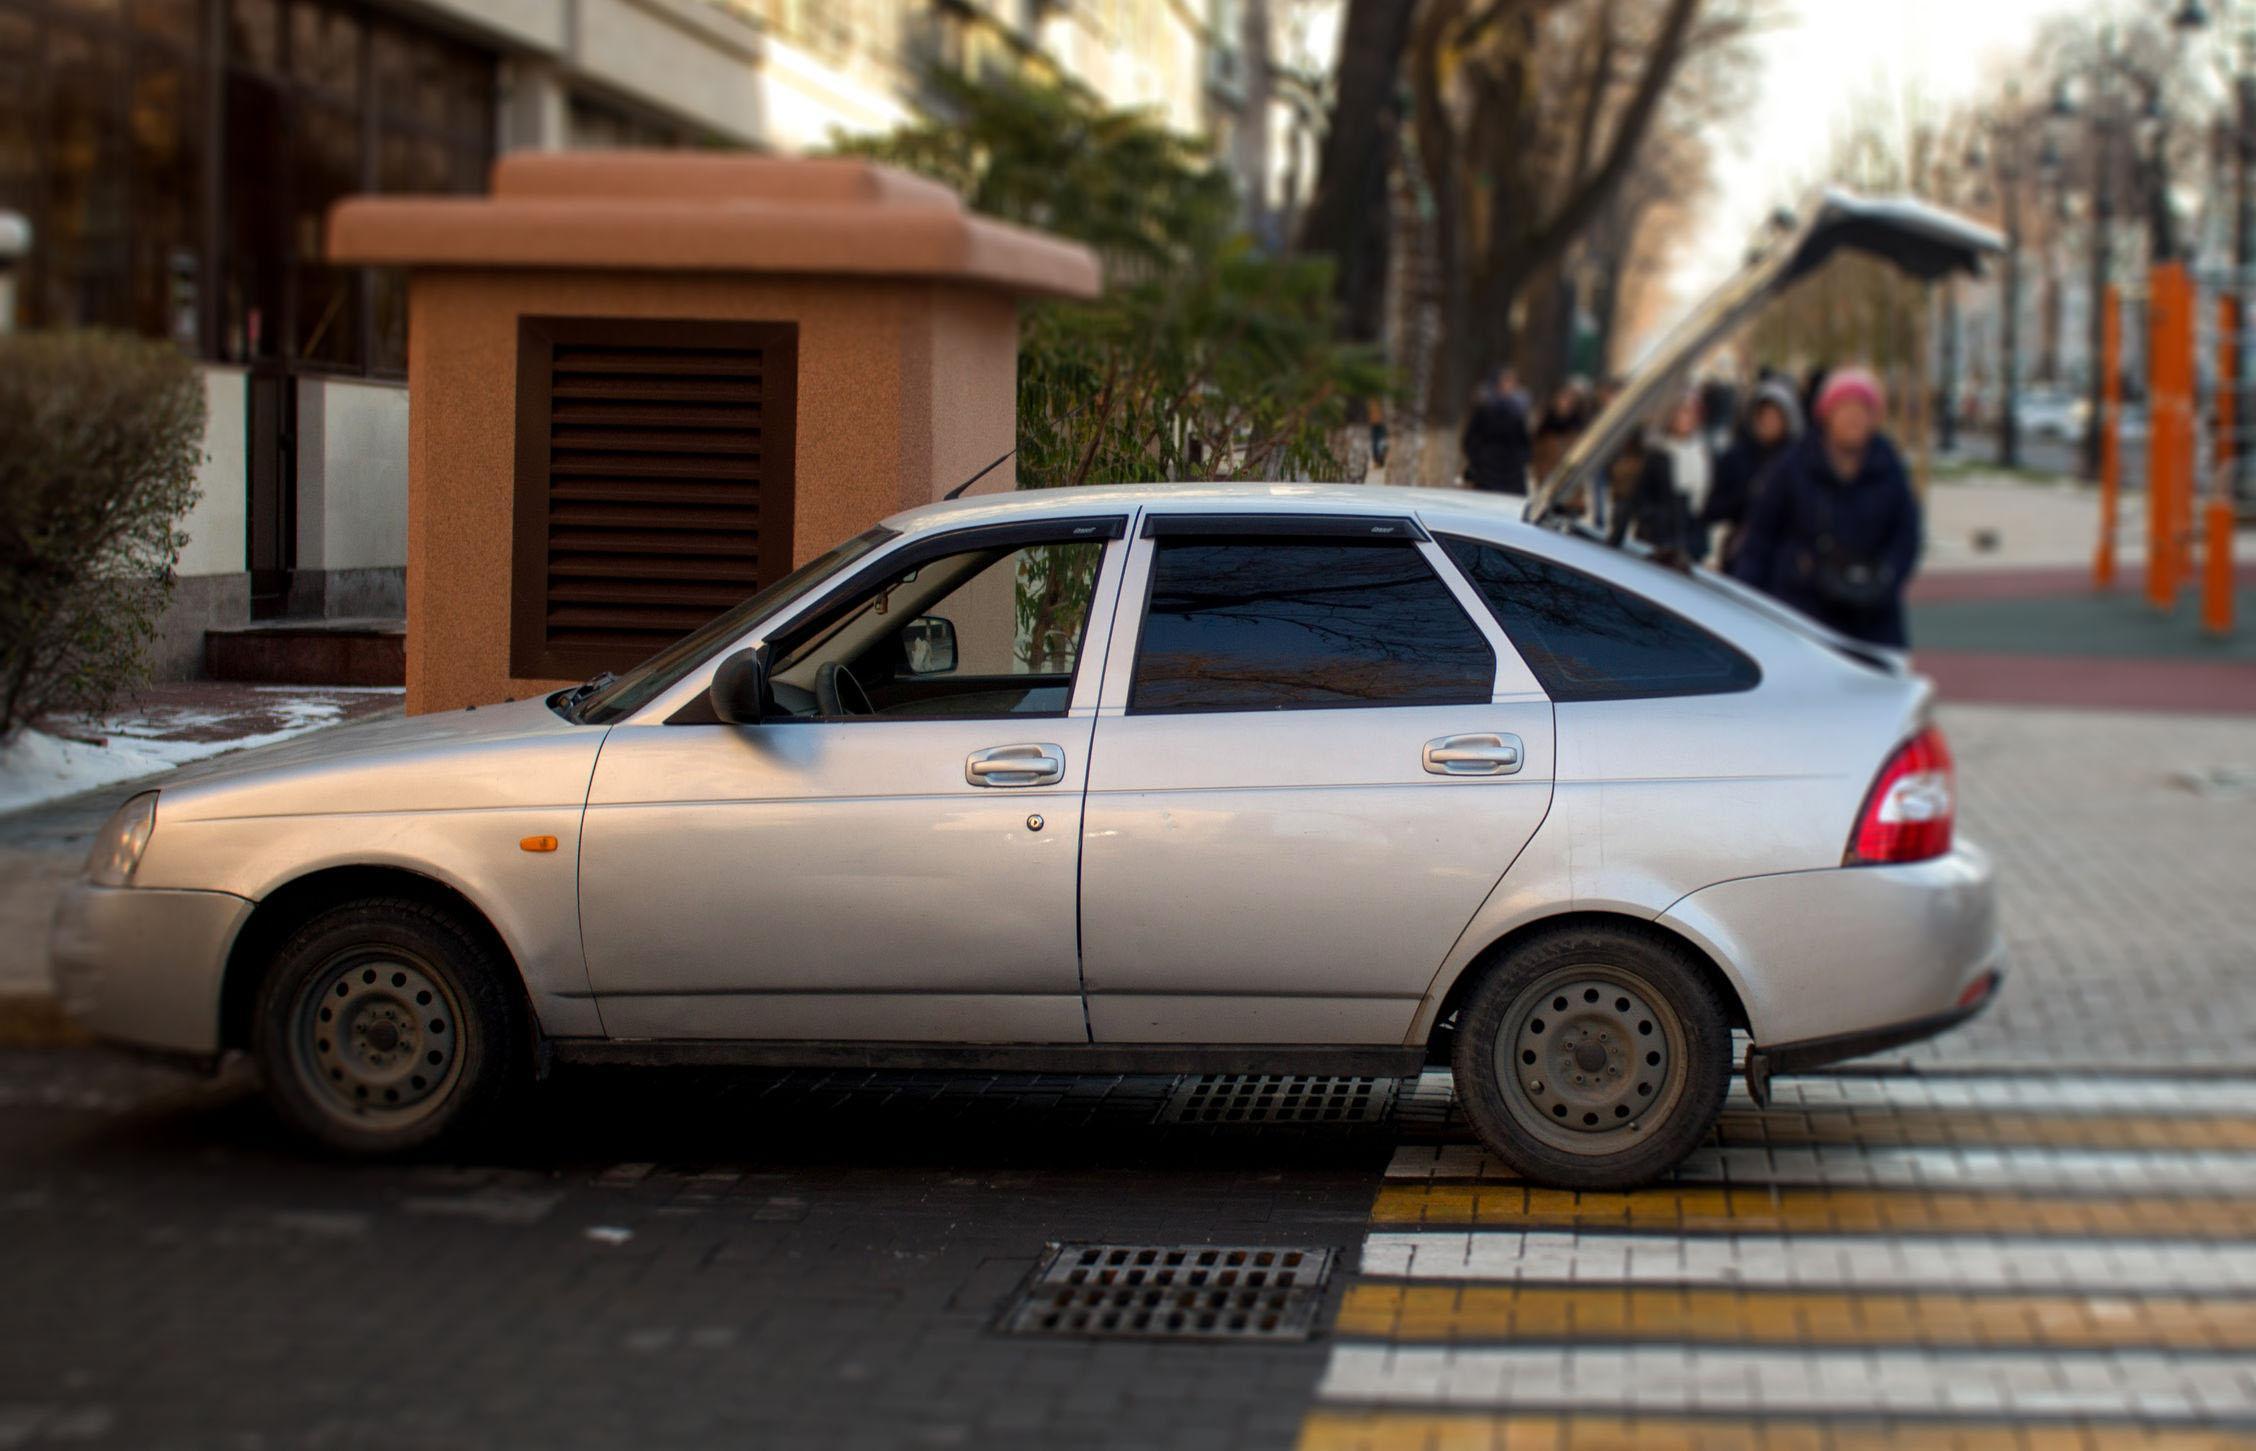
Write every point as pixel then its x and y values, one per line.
pixel 1496 440
pixel 1774 421
pixel 1646 503
pixel 1835 530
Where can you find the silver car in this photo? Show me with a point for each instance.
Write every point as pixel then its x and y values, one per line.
pixel 1171 779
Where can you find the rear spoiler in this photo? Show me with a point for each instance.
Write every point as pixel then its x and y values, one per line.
pixel 1922 241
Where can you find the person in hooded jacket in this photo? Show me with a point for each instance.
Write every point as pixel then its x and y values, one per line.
pixel 1774 421
pixel 1834 532
pixel 1496 438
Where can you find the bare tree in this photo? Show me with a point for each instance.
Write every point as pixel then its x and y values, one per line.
pixel 1347 216
pixel 1528 117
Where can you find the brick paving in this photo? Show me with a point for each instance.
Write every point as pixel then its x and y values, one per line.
pixel 2125 890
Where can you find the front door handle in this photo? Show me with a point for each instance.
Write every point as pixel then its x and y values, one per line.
pixel 1027 765
pixel 1488 755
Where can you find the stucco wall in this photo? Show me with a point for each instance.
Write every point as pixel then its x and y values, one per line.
pixel 215 525
pixel 876 359
pixel 352 474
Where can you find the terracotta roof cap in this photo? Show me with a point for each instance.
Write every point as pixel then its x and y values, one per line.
pixel 689 211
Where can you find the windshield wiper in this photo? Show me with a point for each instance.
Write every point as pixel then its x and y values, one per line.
pixel 578 693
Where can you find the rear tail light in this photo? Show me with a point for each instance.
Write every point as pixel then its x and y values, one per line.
pixel 1909 813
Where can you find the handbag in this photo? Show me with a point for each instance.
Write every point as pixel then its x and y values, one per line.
pixel 1841 578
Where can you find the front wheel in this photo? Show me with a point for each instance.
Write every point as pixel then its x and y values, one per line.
pixel 1593 1058
pixel 385 1025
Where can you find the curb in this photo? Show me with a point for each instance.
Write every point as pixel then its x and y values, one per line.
pixel 36 1020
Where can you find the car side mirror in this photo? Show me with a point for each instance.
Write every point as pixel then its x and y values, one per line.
pixel 929 644
pixel 739 692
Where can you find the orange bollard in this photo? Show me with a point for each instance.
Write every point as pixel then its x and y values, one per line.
pixel 2167 321
pixel 2217 577
pixel 2110 435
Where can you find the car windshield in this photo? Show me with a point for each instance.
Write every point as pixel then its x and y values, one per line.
pixel 631 691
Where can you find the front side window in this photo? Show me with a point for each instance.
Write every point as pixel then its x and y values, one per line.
pixel 1586 639
pixel 1303 624
pixel 986 631
pixel 627 693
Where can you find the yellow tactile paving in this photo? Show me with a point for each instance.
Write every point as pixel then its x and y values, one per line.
pixel 1933 1319
pixel 1940 1128
pixel 1813 1210
pixel 1421 1431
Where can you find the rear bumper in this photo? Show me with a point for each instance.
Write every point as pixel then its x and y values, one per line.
pixel 1765 1063
pixel 1844 960
pixel 143 965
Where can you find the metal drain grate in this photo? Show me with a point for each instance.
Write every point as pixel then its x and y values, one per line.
pixel 1173 1292
pixel 1249 1098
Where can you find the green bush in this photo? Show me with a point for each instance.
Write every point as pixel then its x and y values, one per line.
pixel 100 434
pixel 1205 358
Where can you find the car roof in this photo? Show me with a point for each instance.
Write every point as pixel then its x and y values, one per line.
pixel 1023 505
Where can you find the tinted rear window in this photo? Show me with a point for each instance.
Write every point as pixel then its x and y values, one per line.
pixel 1586 639
pixel 1291 624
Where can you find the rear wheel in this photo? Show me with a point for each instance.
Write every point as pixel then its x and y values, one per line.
pixel 1593 1058
pixel 387 1025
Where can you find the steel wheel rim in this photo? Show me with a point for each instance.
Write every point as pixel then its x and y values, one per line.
pixel 1595 1076
pixel 376 1038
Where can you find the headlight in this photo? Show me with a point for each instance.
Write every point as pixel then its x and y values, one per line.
pixel 120 842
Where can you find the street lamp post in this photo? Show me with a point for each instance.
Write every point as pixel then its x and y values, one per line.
pixel 2009 413
pixel 2192 16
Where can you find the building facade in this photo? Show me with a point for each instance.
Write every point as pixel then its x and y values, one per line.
pixel 175 161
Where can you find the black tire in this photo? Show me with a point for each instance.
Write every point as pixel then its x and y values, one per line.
pixel 388 1025
pixel 1593 1057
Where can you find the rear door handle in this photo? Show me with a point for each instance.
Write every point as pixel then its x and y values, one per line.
pixel 1489 755
pixel 1025 765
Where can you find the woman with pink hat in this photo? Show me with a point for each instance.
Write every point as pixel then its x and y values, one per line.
pixel 1835 533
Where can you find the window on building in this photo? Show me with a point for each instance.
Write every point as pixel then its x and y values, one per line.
pixel 108 112
pixel 1586 639
pixel 1303 624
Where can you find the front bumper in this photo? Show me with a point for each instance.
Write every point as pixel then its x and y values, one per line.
pixel 143 965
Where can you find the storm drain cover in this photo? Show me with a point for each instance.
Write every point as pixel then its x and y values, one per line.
pixel 1173 1292
pixel 1253 1098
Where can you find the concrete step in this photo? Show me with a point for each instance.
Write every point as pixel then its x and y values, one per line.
pixel 310 652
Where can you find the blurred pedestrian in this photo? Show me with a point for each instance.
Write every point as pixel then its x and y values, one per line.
pixel 1647 500
pixel 1719 407
pixel 1834 532
pixel 1691 470
pixel 1773 422
pixel 1496 438
pixel 1561 422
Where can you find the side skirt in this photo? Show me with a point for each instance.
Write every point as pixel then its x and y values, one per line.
pixel 1372 1061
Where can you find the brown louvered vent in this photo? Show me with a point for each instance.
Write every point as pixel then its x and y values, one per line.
pixel 654 483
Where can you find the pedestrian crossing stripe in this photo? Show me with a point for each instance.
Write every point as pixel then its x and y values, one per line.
pixel 2025 1264
pixel 1429 1099
pixel 1985 1128
pixel 1348 1430
pixel 1461 1314
pixel 1798 1381
pixel 2035 1263
pixel 1734 1209
pixel 1844 1165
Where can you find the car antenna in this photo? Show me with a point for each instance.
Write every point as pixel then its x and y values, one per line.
pixel 957 491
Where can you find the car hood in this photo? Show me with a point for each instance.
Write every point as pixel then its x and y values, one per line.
pixel 1917 239
pixel 519 754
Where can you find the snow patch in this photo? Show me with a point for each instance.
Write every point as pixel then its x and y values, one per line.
pixel 36 767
